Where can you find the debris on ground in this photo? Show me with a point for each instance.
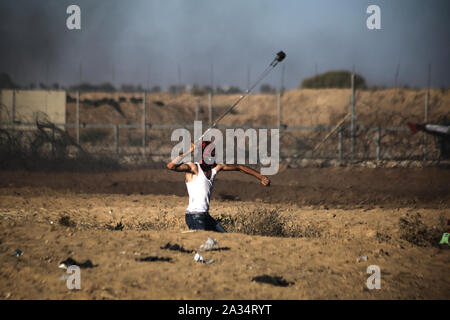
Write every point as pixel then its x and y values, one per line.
pixel 362 258
pixel 199 258
pixel 209 244
pixel 72 262
pixel 276 281
pixel 18 253
pixel 118 226
pixel 220 249
pixel 446 234
pixel 153 258
pixel 66 221
pixel 444 239
pixel 176 247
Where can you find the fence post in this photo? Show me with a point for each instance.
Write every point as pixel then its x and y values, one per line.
pixel 378 143
pixel 340 143
pixel 210 108
pixel 78 117
pixel 116 138
pixel 13 111
pixel 197 107
pixel 426 121
pixel 352 124
pixel 279 109
pixel 53 140
pixel 144 129
pixel 13 107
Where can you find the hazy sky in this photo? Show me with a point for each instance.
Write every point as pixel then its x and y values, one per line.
pixel 144 41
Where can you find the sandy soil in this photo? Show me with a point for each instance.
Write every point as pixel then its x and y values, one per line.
pixel 307 107
pixel 333 216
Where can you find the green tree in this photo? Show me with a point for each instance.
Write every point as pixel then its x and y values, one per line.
pixel 333 79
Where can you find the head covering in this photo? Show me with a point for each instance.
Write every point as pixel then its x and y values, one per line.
pixel 208 153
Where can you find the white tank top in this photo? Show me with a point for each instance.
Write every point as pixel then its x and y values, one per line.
pixel 199 190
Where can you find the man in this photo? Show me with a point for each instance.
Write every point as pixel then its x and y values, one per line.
pixel 442 132
pixel 434 129
pixel 199 182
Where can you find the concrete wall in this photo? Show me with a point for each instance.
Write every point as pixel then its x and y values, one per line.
pixel 27 105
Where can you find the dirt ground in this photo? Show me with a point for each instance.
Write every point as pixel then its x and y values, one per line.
pixel 309 227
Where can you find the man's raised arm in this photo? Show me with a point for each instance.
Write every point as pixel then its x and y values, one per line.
pixel 237 167
pixel 181 167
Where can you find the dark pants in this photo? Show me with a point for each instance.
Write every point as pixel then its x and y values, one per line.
pixel 203 221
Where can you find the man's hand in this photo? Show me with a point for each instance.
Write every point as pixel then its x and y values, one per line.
pixel 183 167
pixel 265 181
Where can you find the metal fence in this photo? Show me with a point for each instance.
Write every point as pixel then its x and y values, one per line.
pixel 351 141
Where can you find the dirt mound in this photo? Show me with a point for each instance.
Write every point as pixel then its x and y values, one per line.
pixel 300 107
pixel 330 187
pixel 322 108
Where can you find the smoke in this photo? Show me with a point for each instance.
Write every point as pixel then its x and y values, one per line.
pixel 28 38
pixel 38 47
pixel 144 41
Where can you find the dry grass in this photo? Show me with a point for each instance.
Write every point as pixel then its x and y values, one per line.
pixel 413 230
pixel 268 222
